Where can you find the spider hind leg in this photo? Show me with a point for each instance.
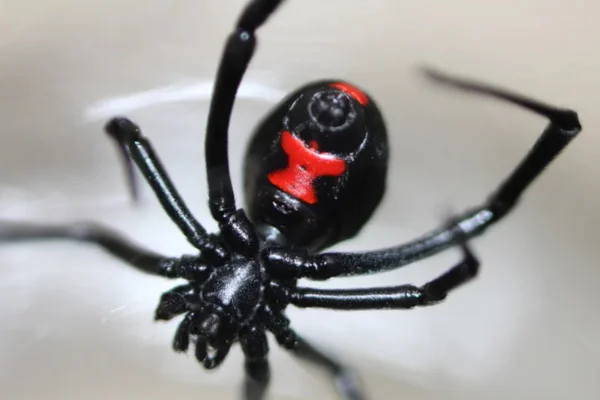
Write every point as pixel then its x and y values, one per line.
pixel 346 381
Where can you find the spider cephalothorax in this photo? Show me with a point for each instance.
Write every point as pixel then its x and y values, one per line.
pixel 218 303
pixel 223 304
pixel 315 171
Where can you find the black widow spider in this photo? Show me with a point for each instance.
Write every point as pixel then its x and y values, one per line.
pixel 315 172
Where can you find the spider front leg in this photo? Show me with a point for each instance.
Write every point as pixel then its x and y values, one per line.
pixel 129 137
pixel 142 259
pixel 394 297
pixel 563 127
pixel 235 226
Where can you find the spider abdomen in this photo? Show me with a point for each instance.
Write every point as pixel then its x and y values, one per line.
pixel 316 166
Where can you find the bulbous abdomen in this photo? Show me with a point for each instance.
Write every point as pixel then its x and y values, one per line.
pixel 317 180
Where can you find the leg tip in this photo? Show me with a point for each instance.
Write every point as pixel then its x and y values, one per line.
pixel 435 75
pixel 471 262
pixel 568 120
pixel 348 383
pixel 122 129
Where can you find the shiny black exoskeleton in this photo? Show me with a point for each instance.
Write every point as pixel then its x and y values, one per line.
pixel 315 171
pixel 344 175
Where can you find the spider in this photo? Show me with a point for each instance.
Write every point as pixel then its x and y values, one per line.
pixel 315 171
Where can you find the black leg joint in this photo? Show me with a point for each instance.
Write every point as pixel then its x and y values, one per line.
pixel 296 264
pixel 213 251
pixel 254 343
pixel 186 267
pixel 255 347
pixel 279 325
pixel 175 302
pixel 279 295
pixel 567 120
pixel 256 14
pixel 238 233
pixel 181 341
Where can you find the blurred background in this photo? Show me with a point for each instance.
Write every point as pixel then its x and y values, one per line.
pixel 76 324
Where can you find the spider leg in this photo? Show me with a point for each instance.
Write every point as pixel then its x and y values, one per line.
pixel 175 302
pixel 346 382
pixel 129 137
pixel 181 340
pixel 279 325
pixel 237 230
pixel 394 297
pixel 258 374
pixel 130 175
pixel 116 244
pixel 563 127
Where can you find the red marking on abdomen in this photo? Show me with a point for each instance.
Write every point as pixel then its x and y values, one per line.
pixel 304 166
pixel 356 93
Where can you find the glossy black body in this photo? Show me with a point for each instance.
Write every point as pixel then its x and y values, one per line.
pixel 346 202
pixel 241 280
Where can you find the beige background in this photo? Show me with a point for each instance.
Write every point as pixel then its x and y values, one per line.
pixel 78 325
